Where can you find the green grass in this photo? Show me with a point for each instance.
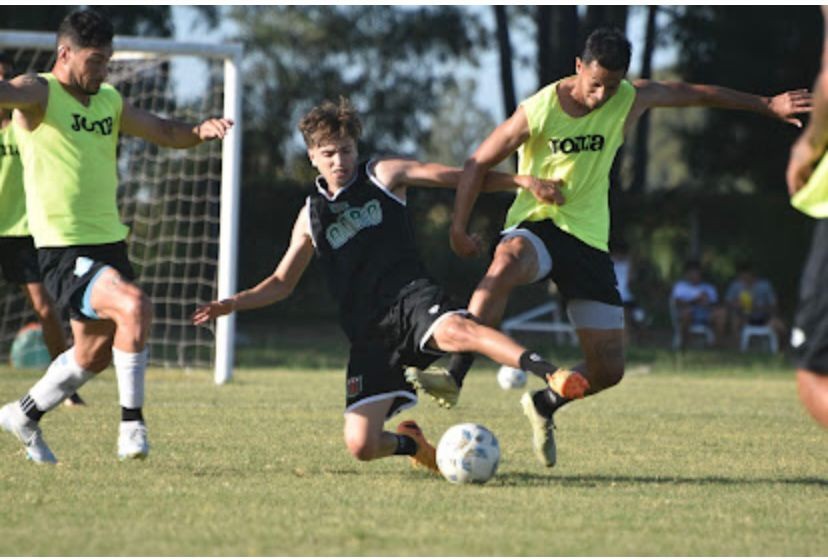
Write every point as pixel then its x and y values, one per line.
pixel 690 459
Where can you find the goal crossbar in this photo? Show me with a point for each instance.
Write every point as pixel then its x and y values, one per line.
pixel 231 54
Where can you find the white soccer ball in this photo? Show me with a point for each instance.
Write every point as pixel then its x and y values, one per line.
pixel 468 453
pixel 511 378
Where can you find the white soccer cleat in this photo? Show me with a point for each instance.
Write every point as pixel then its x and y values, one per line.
pixel 13 420
pixel 132 440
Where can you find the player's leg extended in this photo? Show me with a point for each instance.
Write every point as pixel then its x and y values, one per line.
pixel 49 319
pixel 813 392
pixel 113 297
pixel 66 374
pixel 366 438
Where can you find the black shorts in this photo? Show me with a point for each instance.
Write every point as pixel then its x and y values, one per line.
pixel 809 338
pixel 579 270
pixel 376 367
pixel 18 258
pixel 67 271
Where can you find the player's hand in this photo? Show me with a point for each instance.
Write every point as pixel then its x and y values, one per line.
pixel 804 157
pixel 213 129
pixel 465 245
pixel 213 310
pixel 547 191
pixel 786 105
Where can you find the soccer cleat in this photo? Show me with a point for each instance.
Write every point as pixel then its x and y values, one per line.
pixel 132 440
pixel 74 401
pixel 569 384
pixel 437 383
pixel 426 456
pixel 543 432
pixel 13 420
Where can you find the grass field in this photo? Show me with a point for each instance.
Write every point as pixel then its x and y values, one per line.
pixel 710 456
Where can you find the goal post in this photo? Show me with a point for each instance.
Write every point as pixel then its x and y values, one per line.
pixel 182 205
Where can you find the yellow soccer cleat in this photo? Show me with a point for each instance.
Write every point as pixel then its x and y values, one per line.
pixel 543 432
pixel 426 456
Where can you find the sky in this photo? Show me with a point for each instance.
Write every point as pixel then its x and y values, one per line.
pixel 488 94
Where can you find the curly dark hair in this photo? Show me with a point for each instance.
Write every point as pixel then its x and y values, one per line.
pixel 330 121
pixel 86 28
pixel 609 47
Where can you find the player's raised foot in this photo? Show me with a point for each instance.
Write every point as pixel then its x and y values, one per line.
pixel 543 431
pixel 74 401
pixel 437 383
pixel 426 456
pixel 132 440
pixel 13 420
pixel 569 384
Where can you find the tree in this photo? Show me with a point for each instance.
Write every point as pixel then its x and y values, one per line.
pixel 150 20
pixel 642 132
pixel 759 49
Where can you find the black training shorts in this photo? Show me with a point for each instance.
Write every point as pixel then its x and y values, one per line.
pixel 67 271
pixel 580 271
pixel 809 338
pixel 398 340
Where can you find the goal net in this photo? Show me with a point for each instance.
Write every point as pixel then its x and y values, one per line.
pixel 180 205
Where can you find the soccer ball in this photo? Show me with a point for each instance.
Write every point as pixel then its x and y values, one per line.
pixel 468 453
pixel 28 350
pixel 511 378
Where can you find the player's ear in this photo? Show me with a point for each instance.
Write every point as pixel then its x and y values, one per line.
pixel 63 52
pixel 310 157
pixel 579 64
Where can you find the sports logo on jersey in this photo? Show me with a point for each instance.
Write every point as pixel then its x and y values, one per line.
pixel 577 144
pixel 351 221
pixel 353 386
pixel 102 127
pixel 9 150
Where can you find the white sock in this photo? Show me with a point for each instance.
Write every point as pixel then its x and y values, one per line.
pixel 130 369
pixel 62 379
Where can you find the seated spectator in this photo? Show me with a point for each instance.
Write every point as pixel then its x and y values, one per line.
pixel 752 300
pixel 696 302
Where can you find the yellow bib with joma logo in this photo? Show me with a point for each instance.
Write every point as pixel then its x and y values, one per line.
pixel 12 197
pixel 69 166
pixel 579 151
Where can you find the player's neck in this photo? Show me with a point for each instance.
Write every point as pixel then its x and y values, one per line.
pixel 65 80
pixel 570 99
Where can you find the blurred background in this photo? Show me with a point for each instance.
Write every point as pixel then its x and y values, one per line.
pixel 432 82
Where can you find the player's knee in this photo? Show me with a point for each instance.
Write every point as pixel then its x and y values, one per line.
pixel 361 447
pixel 457 333
pixel 136 309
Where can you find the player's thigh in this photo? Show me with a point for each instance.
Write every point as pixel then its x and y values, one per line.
pixel 93 343
pixel 115 297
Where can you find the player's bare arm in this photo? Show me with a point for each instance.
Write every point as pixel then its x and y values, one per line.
pixel 499 145
pixel 785 106
pixel 27 93
pixel 276 287
pixel 398 174
pixel 171 133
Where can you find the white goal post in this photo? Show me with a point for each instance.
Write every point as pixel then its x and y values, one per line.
pixel 36 51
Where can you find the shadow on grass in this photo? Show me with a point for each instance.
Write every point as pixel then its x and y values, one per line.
pixel 524 479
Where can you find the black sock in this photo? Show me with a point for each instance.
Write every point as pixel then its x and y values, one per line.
pixel 406 446
pixel 533 363
pixel 548 401
pixel 459 365
pixel 27 404
pixel 131 414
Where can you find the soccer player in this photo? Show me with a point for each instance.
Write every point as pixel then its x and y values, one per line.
pixel 809 189
pixel 393 314
pixel 67 124
pixel 571 130
pixel 18 256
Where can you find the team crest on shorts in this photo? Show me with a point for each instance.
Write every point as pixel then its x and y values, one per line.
pixel 353 386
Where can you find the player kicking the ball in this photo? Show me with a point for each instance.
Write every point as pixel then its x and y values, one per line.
pixel 393 314
pixel 67 124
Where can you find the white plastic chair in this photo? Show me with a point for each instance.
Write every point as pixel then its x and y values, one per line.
pixel 695 329
pixel 527 321
pixel 750 331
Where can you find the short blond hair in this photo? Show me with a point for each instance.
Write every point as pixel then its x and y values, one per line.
pixel 330 121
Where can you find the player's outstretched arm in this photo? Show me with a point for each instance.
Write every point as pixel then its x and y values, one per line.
pixel 785 106
pixel 171 133
pixel 501 143
pixel 399 174
pixel 276 287
pixel 27 92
